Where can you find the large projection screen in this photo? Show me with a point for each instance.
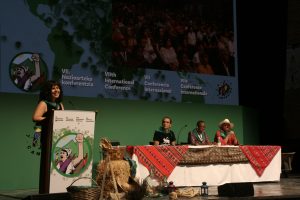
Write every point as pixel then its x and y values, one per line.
pixel 155 50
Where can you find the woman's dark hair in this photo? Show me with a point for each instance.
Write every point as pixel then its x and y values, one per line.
pixel 45 93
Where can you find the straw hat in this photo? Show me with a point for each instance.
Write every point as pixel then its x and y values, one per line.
pixel 226 121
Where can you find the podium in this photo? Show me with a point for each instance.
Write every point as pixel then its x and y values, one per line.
pixel 67 151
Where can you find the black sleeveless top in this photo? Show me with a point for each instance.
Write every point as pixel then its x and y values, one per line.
pixel 50 107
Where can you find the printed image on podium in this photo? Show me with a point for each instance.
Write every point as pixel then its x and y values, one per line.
pixel 72 149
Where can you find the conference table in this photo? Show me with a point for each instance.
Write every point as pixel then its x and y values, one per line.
pixel 191 165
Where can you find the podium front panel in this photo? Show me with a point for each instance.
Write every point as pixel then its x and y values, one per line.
pixel 72 149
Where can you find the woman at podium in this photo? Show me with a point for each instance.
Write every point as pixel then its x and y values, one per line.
pixel 50 99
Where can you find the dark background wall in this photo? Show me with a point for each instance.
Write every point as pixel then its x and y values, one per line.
pixel 261 35
pixel 262 28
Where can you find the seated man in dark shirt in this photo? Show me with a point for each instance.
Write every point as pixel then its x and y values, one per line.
pixel 164 136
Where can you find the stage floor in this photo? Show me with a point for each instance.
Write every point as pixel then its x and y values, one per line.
pixel 286 188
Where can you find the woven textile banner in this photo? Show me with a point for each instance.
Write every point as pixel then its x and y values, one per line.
pixel 213 155
pixel 72 149
pixel 260 156
pixel 163 159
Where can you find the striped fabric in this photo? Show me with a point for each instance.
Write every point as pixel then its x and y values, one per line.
pixel 260 156
pixel 162 159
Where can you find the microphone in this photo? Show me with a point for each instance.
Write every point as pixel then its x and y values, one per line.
pixel 96 113
pixel 180 133
pixel 72 104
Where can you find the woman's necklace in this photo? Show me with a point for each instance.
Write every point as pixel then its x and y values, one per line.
pixel 55 105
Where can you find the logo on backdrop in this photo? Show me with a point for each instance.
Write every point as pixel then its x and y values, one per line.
pixel 224 90
pixel 28 71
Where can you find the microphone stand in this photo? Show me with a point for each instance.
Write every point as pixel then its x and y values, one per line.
pixel 180 132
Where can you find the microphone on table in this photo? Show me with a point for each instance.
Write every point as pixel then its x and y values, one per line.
pixel 180 133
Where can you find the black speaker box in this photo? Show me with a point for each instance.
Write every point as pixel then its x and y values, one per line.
pixel 52 196
pixel 236 190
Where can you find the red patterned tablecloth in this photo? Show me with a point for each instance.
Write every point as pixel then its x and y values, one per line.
pixel 162 159
pixel 260 156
